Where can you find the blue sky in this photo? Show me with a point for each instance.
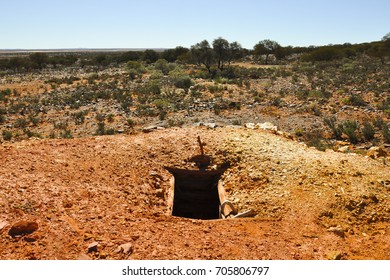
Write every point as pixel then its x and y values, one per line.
pixel 43 24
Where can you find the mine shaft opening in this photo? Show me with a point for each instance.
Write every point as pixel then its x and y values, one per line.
pixel 195 193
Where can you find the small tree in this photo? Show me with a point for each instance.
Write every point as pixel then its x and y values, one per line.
pixel 150 56
pixel 221 49
pixel 327 53
pixel 38 60
pixel 203 54
pixel 171 55
pixel 386 37
pixel 266 47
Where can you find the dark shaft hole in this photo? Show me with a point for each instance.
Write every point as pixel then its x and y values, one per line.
pixel 196 194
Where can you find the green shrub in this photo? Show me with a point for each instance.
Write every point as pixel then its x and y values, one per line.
pixel 52 134
pixel 135 69
pixel 34 120
pixel 92 78
pixel 161 104
pixel 356 100
pixel 7 135
pixel 67 134
pixel 337 130
pixel 110 118
pixel 298 132
pixel 131 123
pixel 350 128
pixel 323 54
pixel 151 88
pixel 368 131
pixel 110 131
pixel 183 82
pixel 4 94
pixel 100 117
pixel 162 65
pixel 386 134
pixel 276 101
pixel 101 128
pixel 214 88
pixel 315 139
pixel 30 133
pixel 384 105
pixel 236 122
pixel 162 114
pixel 79 117
pixel 180 78
pixel 61 125
pixel 21 123
pixel 379 123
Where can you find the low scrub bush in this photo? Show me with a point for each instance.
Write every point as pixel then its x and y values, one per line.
pixel 350 128
pixel 368 131
pixel 337 129
pixel 386 134
pixel 7 135
pixel 355 100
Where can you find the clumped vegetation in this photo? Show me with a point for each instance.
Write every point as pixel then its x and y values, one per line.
pixel 342 89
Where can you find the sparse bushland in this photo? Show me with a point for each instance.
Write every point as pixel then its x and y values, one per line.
pixel 221 79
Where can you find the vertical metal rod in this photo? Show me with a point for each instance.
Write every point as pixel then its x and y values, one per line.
pixel 201 146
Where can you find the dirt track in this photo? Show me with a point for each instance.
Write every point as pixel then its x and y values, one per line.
pixel 106 198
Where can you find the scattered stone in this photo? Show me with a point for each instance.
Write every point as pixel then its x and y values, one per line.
pixel 3 224
pixel 93 247
pixel 337 230
pixel 23 228
pixel 267 126
pixel 250 125
pixel 343 149
pixel 335 255
pixel 264 126
pixel 233 126
pixel 126 248
pixel 149 128
pixel 377 152
pixel 210 125
pixel 83 257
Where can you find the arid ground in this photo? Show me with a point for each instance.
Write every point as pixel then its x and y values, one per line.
pixel 106 197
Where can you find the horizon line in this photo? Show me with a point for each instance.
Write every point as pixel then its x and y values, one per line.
pixel 76 49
